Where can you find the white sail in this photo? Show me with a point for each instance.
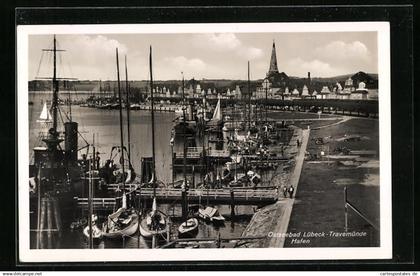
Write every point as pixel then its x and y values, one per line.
pixel 124 201
pixel 154 205
pixel 45 115
pixel 217 115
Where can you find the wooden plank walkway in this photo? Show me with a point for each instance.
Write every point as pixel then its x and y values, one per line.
pixel 285 211
pixel 241 196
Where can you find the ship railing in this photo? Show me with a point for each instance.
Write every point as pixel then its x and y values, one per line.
pixel 192 152
pixel 44 135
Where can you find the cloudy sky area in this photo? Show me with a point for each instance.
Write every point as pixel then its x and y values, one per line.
pixel 211 56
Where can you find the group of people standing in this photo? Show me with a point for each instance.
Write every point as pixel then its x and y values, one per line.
pixel 288 191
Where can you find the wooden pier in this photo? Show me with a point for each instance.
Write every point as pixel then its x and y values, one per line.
pixel 241 196
pixel 197 152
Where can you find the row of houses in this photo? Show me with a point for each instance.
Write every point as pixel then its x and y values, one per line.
pixel 266 90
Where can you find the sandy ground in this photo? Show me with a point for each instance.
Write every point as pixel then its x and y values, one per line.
pixel 319 203
pixel 320 207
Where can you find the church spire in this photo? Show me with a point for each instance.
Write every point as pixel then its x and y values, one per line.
pixel 273 61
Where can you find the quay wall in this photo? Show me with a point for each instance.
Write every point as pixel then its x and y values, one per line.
pixel 272 220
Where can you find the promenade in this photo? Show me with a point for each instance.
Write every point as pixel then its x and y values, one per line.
pixel 275 218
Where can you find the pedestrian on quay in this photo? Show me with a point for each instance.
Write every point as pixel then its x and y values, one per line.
pixel 285 191
pixel 291 190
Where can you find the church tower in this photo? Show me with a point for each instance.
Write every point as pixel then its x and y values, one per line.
pixel 273 62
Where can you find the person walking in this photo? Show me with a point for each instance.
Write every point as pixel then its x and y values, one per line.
pixel 291 191
pixel 285 191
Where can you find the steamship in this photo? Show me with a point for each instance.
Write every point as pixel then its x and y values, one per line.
pixel 55 173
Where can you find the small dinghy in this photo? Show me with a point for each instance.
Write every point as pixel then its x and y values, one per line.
pixel 188 229
pixel 154 224
pixel 124 222
pixel 96 231
pixel 211 214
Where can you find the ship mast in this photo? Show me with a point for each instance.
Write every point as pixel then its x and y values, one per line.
pixel 249 101
pixel 121 125
pixel 153 125
pixel 52 140
pixel 184 160
pixel 55 88
pixel 184 133
pixel 128 112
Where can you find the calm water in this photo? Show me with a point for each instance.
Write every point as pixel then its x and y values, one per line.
pixel 105 125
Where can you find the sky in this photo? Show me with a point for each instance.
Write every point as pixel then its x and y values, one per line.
pixel 205 55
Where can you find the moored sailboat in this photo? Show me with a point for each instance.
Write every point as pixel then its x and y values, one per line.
pixel 96 231
pixel 189 227
pixel 123 222
pixel 156 222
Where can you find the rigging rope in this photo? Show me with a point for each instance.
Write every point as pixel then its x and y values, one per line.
pixel 39 65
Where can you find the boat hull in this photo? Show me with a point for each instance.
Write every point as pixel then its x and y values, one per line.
pixel 148 233
pixel 211 217
pixel 96 234
pixel 130 230
pixel 188 229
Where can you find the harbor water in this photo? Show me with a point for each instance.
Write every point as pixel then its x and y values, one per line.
pixel 105 125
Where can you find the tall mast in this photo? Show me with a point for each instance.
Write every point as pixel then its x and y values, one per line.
pixel 55 88
pixel 128 112
pixel 153 124
pixel 184 168
pixel 121 121
pixel 249 101
pixel 53 140
pixel 69 104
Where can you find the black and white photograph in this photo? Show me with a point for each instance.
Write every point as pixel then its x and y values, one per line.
pixel 256 141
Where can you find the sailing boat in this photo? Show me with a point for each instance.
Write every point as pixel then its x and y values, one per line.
pixel 91 231
pixel 45 116
pixel 189 228
pixel 217 119
pixel 123 222
pixel 155 224
pixel 217 115
pixel 96 232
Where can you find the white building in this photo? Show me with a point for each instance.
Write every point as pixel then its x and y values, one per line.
pixel 305 92
pixel 325 92
pixel 360 93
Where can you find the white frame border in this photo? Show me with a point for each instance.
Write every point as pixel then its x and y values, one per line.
pixel 113 255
